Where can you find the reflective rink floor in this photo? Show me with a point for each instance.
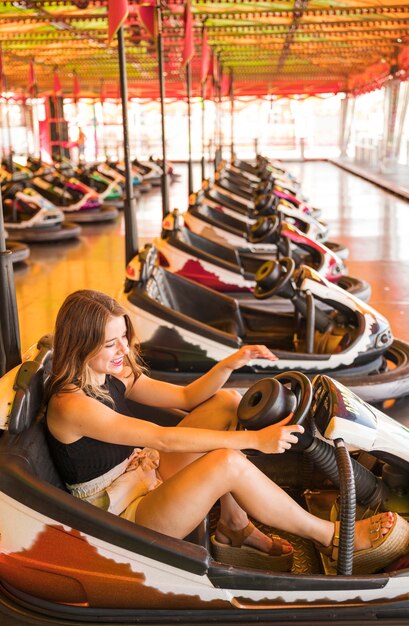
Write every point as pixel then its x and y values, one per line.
pixel 373 224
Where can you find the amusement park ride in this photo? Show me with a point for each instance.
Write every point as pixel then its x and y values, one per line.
pixel 249 264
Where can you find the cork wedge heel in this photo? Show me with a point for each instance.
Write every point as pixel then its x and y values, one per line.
pixel 237 553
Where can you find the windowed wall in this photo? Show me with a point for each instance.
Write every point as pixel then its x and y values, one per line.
pixel 277 127
pixel 380 118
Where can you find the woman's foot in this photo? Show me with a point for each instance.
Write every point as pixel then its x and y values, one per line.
pixel 364 530
pixel 249 547
pixel 276 546
pixel 379 541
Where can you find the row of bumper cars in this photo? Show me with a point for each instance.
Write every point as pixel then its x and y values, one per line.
pixel 185 328
pixel 63 560
pixel 232 270
pixel 110 189
pixel 29 216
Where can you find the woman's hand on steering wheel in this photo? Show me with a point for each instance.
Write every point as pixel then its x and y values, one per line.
pixel 246 354
pixel 278 438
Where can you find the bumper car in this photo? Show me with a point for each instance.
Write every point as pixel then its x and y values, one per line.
pixel 248 212
pixel 263 169
pixel 66 192
pixel 211 221
pixel 273 179
pixel 232 270
pixel 137 178
pixel 173 175
pixel 150 172
pixel 229 183
pixel 184 328
pixel 31 218
pixel 64 561
pixel 103 169
pixel 109 190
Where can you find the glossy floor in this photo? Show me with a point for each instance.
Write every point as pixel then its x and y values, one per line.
pixel 373 224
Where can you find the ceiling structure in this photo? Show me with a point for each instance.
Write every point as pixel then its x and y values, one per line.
pixel 282 47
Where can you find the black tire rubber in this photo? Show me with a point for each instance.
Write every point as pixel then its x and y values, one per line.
pixel 85 216
pixel 378 386
pixel 339 249
pixel 63 231
pixel 19 251
pixel 356 287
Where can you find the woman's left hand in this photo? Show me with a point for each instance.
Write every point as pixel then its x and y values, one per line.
pixel 247 353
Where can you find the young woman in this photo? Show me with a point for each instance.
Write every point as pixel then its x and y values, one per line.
pixel 168 478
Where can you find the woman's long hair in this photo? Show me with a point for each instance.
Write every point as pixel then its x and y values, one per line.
pixel 79 335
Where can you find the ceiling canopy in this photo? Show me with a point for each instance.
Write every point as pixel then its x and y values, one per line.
pixel 277 48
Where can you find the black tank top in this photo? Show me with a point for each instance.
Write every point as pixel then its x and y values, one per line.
pixel 88 458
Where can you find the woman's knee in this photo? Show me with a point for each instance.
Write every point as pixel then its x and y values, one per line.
pixel 228 462
pixel 228 398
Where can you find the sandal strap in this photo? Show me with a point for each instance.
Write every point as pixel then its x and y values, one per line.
pixel 335 541
pixel 237 537
pixel 375 535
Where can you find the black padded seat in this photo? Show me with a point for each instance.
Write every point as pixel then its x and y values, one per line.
pixel 26 465
pixel 32 449
pixel 197 302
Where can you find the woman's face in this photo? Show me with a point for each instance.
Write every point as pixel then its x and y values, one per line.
pixel 110 357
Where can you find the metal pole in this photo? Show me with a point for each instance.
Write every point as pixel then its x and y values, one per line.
pixel 57 119
pixel 232 116
pixel 218 155
pixel 10 349
pixel 203 131
pixel 95 123
pixel 389 149
pixel 159 43
pixel 131 229
pixel 104 144
pixel 8 124
pixel 343 131
pixel 189 127
pixel 26 123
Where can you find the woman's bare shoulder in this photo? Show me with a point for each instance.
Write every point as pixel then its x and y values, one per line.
pixel 127 378
pixel 63 399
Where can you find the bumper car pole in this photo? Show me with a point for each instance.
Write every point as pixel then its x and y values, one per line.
pixel 10 348
pixel 159 47
pixel 131 231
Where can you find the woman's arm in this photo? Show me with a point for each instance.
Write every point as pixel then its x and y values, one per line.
pixel 75 415
pixel 166 395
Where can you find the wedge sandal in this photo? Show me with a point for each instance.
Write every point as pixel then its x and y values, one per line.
pixel 236 553
pixel 385 549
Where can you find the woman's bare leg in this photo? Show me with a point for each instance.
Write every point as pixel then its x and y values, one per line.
pixel 177 506
pixel 196 487
pixel 218 413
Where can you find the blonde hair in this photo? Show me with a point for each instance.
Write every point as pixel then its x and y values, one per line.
pixel 79 335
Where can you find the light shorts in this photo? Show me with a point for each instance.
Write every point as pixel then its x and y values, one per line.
pixel 121 489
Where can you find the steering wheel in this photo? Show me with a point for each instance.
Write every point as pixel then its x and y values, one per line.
pixel 266 204
pixel 265 229
pixel 10 192
pixel 272 278
pixel 270 401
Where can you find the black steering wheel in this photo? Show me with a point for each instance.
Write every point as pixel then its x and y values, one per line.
pixel 272 277
pixel 266 204
pixel 265 230
pixel 271 400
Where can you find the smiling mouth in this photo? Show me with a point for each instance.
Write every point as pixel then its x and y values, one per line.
pixel 118 361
